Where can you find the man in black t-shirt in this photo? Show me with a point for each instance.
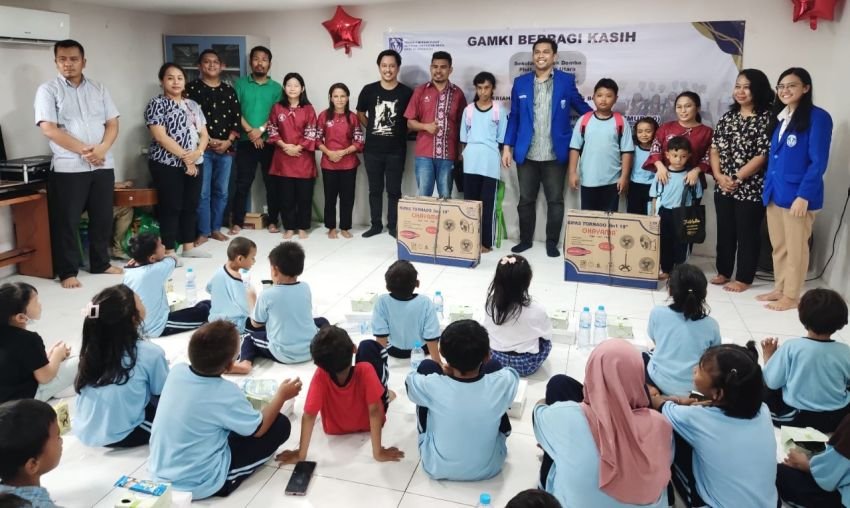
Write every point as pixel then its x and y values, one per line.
pixel 381 107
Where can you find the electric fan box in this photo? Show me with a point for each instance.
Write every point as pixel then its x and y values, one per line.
pixel 439 231
pixel 618 249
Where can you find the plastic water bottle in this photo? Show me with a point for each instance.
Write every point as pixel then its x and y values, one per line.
pixel 246 280
pixel 484 501
pixel 584 340
pixel 600 325
pixel 439 304
pixel 191 288
pixel 416 355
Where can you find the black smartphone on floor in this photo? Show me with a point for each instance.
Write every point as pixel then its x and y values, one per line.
pixel 300 478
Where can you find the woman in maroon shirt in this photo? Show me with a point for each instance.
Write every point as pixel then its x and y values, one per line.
pixel 340 138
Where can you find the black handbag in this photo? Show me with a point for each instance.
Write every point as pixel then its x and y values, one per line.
pixel 689 221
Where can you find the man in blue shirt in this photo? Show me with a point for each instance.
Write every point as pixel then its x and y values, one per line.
pixel 79 118
pixel 538 139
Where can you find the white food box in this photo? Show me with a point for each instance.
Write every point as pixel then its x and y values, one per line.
pixel 518 405
pixel 363 302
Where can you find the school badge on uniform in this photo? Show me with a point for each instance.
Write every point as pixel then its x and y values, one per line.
pixel 791 141
pixel 563 103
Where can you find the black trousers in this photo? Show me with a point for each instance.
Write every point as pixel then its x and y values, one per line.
pixel 638 198
pixel 247 158
pixel 801 489
pixel 483 188
pixel 186 319
pixel 601 199
pixel 296 195
pixel 68 196
pixel 372 352
pixel 141 435
pixel 339 184
pixel 738 236
pixel 405 353
pixel 560 388
pixel 384 168
pixel 673 252
pixel 178 195
pixel 783 414
pixel 255 342
pixel 552 175
pixel 249 453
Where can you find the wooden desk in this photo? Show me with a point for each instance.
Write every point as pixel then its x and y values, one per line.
pixel 32 229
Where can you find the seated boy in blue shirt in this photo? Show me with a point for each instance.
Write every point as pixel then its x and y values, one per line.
pixel 668 196
pixel 206 437
pixel 146 275
pixel 285 310
pixel 403 318
pixel 807 378
pixel 348 398
pixel 601 149
pixel 230 299
pixel 30 446
pixel 461 408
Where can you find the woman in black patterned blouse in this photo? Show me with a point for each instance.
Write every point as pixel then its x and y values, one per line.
pixel 738 154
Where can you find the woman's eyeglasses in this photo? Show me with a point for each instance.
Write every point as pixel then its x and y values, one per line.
pixel 788 86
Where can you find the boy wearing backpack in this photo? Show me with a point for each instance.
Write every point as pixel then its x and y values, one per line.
pixel 482 131
pixel 601 152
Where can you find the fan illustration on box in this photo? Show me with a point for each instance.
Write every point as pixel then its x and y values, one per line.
pixel 646 265
pixel 449 226
pixel 626 242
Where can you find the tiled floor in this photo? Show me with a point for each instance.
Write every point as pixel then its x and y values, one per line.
pixel 346 475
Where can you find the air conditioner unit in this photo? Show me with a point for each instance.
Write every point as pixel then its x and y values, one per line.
pixel 30 26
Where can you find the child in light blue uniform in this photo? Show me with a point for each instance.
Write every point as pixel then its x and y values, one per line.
pixel 681 332
pixel 822 481
pixel 725 450
pixel 807 378
pixel 482 130
pixel 286 312
pixel 120 375
pixel 462 420
pixel 403 318
pixel 669 196
pixel 601 151
pixel 641 179
pixel 207 438
pixel 230 299
pixel 146 275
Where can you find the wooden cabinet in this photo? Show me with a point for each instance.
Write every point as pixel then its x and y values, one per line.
pixel 184 50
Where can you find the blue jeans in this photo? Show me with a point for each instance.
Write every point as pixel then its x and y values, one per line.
pixel 216 177
pixel 429 171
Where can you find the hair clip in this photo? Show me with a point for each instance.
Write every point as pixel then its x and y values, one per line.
pixel 690 290
pixel 734 372
pixel 91 311
pixel 507 259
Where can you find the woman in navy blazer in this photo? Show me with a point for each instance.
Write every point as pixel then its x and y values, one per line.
pixel 793 187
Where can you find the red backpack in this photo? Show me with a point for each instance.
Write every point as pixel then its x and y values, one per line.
pixel 619 124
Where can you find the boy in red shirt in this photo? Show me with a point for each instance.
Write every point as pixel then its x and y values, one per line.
pixel 349 398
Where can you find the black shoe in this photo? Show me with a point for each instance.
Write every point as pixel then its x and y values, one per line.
pixel 393 232
pixel 552 250
pixel 521 247
pixel 374 230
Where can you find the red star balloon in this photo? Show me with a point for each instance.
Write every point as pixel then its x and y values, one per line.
pixel 814 9
pixel 344 29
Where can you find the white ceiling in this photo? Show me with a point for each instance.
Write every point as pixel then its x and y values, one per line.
pixel 220 6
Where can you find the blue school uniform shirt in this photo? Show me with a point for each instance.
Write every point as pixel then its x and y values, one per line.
pixel 194 419
pixel 640 175
pixel 462 441
pixel 812 374
pixel 669 195
pixel 228 299
pixel 107 414
pixel 405 321
pixel 679 344
pixel 734 459
pixel 831 471
pixel 38 497
pixel 563 432
pixel 601 148
pixel 483 131
pixel 148 282
pixel 287 312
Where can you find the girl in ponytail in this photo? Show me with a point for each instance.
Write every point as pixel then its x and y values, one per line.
pixel 681 331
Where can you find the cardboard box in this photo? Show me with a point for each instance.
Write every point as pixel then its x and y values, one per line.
pixel 253 221
pixel 439 231
pixel 618 249
pixel 363 302
pixel 459 312
pixel 620 328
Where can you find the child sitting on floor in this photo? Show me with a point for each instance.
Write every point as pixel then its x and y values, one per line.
pixel 30 446
pixel 207 438
pixel 461 408
pixel 402 318
pixel 533 498
pixel 286 312
pixel 26 369
pixel 349 398
pixel 519 329
pixel 121 376
pixel 807 378
pixel 146 275
pixel 230 299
